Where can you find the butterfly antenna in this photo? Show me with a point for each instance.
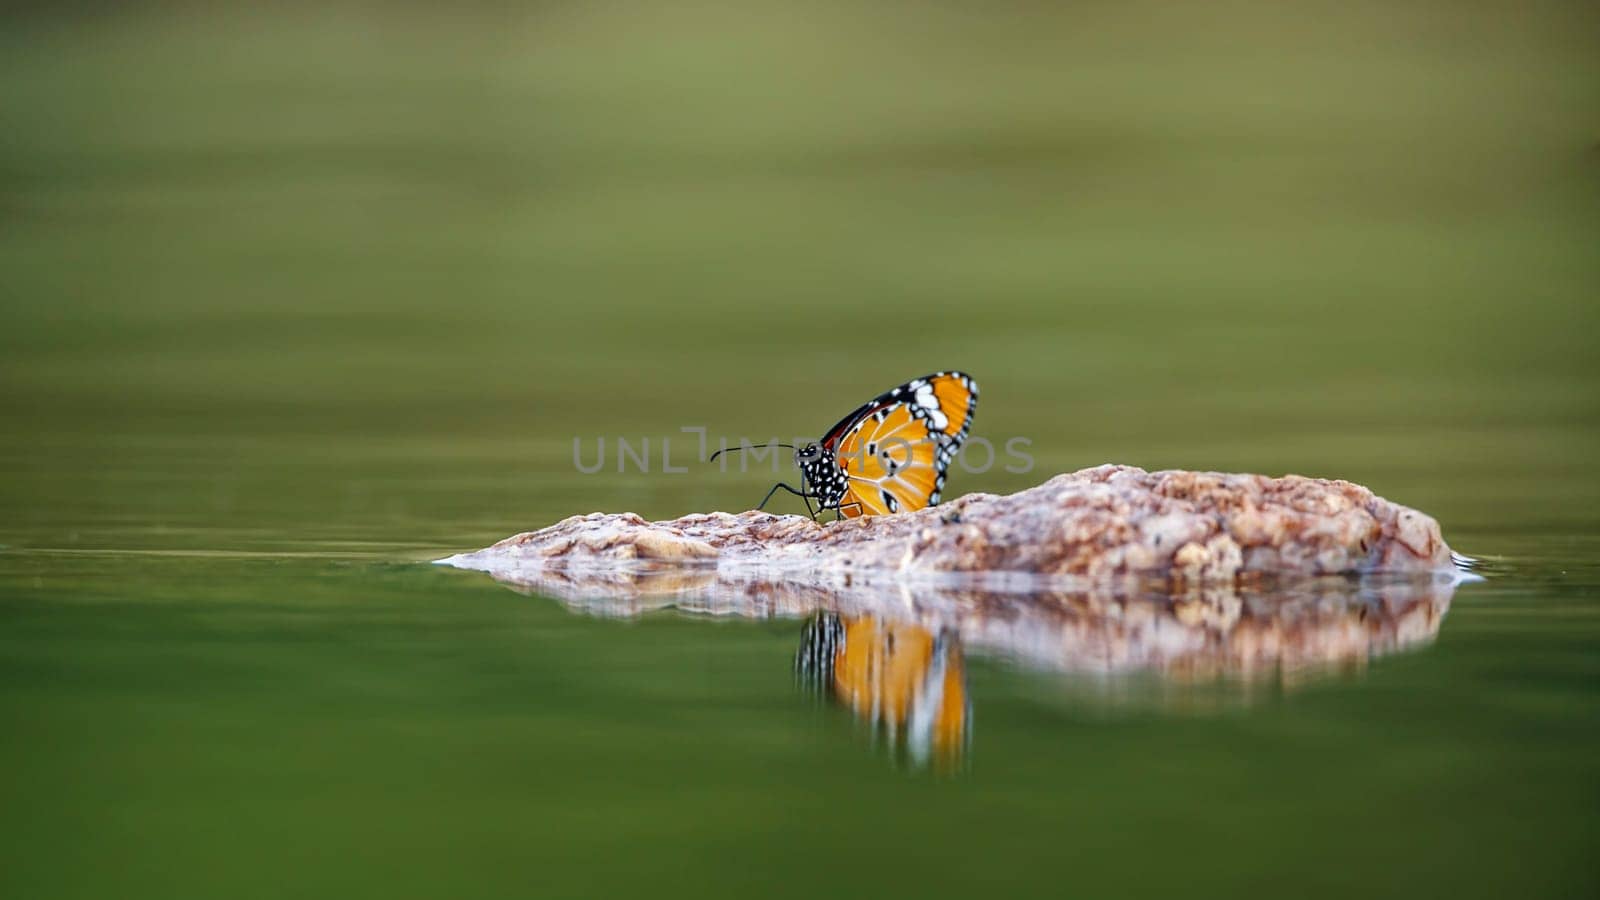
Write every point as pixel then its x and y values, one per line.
pixel 743 447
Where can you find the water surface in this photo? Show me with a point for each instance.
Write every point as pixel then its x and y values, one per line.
pixel 292 302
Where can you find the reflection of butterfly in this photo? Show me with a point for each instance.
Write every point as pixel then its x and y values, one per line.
pixel 901 678
pixel 890 455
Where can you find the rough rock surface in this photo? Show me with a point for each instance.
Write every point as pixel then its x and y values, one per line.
pixel 1097 524
pixel 1108 569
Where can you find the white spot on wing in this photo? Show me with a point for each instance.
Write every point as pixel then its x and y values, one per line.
pixel 930 405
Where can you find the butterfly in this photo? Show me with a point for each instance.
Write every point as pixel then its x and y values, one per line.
pixel 890 455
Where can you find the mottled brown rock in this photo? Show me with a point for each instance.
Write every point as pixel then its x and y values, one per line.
pixel 1098 524
pixel 1191 575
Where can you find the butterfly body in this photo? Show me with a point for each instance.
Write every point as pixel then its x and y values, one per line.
pixel 890 455
pixel 822 475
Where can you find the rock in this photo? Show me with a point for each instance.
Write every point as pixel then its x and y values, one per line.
pixel 1191 577
pixel 1095 525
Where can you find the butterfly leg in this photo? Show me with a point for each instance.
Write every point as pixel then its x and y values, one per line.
pixel 801 494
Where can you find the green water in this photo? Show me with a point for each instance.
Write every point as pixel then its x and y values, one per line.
pixel 292 303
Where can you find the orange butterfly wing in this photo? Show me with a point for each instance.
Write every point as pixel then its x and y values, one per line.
pixel 896 449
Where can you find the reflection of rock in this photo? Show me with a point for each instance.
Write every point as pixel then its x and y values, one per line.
pixel 905 682
pixel 1295 626
pixel 892 650
pixel 1101 523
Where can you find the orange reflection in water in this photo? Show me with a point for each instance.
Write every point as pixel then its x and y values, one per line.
pixel 907 683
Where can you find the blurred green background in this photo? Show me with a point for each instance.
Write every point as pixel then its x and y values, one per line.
pixel 291 300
